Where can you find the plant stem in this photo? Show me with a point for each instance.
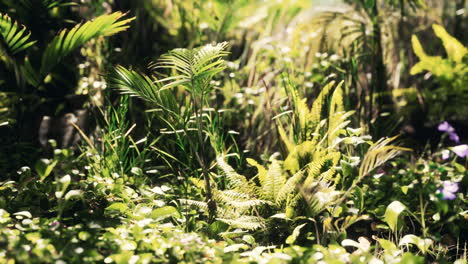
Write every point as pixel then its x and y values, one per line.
pixel 201 158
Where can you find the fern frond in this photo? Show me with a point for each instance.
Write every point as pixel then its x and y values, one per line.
pixel 69 40
pixel 336 104
pixel 243 205
pixel 337 124
pixel 300 156
pixel 198 204
pixel 290 186
pixel 262 172
pixel 274 179
pixel 15 36
pixel 379 153
pixel 245 222
pixel 235 180
pixel 201 206
pixel 316 167
pixel 317 107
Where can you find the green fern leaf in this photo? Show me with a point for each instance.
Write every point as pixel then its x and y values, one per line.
pixel 235 180
pixel 245 222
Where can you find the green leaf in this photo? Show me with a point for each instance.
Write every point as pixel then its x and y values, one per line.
pixel 422 244
pixel 73 194
pixel 69 40
pixel 368 4
pixel 392 213
pixel 44 168
pixel 164 212
pixel 119 207
pixel 249 239
pixel 292 238
pixel 15 36
pixel 455 50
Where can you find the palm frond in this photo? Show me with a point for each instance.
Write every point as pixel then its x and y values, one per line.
pixel 69 40
pixel 15 36
pixel 134 83
pixel 193 65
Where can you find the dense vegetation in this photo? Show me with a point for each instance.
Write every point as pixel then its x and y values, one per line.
pixel 233 131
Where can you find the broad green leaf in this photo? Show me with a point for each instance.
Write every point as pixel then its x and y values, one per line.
pixel 292 238
pixel 392 213
pixel 455 50
pixel 422 244
pixel 164 212
pixel 73 194
pixel 44 168
pixel 389 247
pixel 120 207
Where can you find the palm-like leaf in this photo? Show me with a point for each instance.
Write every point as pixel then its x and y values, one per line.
pixel 134 83
pixel 193 66
pixel 15 36
pixel 69 40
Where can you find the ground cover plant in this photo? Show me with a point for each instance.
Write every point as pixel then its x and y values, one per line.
pixel 233 131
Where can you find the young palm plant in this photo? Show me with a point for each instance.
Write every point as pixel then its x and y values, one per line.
pixel 193 71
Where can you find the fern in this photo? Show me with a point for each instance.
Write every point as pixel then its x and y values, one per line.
pixel 379 153
pixel 317 107
pixel 290 186
pixel 235 180
pixel 245 222
pixel 274 180
pixel 15 36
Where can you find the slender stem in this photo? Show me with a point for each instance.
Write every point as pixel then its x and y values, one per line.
pixel 423 221
pixel 201 158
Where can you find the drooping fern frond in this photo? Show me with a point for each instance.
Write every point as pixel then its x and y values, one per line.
pixel 235 180
pixel 201 206
pixel 245 222
pixel 379 153
pixel 274 180
pixel 69 40
pixel 290 186
pixel 16 37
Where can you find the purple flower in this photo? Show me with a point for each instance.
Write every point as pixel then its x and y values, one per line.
pixel 461 150
pixel 446 127
pixel 445 154
pixel 454 137
pixel 448 190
